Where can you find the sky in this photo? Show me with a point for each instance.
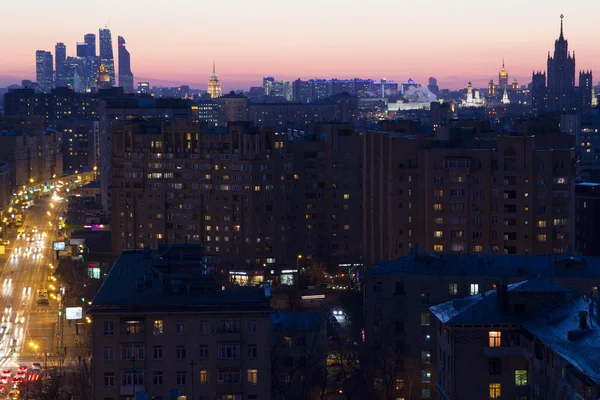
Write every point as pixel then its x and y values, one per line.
pixel 174 43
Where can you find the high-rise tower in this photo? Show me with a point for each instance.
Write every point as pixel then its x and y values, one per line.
pixel 214 85
pixel 90 40
pixel 60 51
pixel 125 75
pixel 44 72
pixel 106 53
pixel 558 94
pixel 503 77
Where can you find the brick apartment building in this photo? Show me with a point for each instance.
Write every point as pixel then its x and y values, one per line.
pixel 463 191
pixel 255 198
pixel 33 152
pixel 160 323
pixel 534 339
pixel 399 327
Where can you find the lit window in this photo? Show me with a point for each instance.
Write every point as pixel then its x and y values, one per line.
pixel 494 390
pixel 203 377
pixel 438 207
pixel 474 288
pixel 426 357
pixel 346 227
pixel 438 248
pixel 453 289
pixel 253 376
pixel 425 376
pixel 541 238
pixel 495 338
pixel 425 319
pixel 477 248
pixel 438 234
pixel 158 327
pixel 521 377
pixel 541 224
pixel 346 196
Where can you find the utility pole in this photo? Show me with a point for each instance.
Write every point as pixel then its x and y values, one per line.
pixel 192 363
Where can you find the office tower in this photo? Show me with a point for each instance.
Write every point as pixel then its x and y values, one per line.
pixel 532 339
pixel 398 294
pixel 214 85
pixel 106 53
pixel 125 75
pixel 491 88
pixel 44 70
pixel 513 193
pixel 82 49
pixel 266 81
pixel 60 54
pixel 224 333
pixel 433 86
pixel 90 40
pixel 503 78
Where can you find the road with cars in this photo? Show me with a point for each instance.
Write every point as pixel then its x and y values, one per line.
pixel 29 324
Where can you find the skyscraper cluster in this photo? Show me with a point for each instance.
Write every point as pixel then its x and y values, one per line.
pixel 81 72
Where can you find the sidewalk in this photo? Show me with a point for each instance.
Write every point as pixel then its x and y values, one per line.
pixel 76 340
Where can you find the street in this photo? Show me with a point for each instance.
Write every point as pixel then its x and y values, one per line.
pixel 28 329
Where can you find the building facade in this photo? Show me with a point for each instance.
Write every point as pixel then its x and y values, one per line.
pixel 255 198
pixel 125 74
pixel 106 53
pixel 512 192
pixel 398 294
pixel 527 340
pixel 162 324
pixel 44 70
pixel 60 51
pixel 587 212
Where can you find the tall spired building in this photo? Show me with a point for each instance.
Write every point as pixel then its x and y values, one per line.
pixel 214 85
pixel 558 93
pixel 106 53
pixel 125 74
pixel 503 78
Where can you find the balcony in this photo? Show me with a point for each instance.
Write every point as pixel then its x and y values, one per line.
pixel 131 390
pixel 506 351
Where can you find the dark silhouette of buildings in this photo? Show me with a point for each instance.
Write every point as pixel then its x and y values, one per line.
pixel 556 92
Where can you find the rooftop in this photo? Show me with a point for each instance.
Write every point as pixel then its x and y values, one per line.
pixel 171 278
pixel 490 265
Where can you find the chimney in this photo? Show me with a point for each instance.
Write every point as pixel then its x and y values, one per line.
pixel 583 319
pixel 502 297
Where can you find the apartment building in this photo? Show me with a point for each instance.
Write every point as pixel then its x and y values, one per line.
pixel 533 339
pixel 399 327
pixel 113 110
pixel 163 326
pixel 33 152
pixel 256 199
pixel 463 191
pixel 587 212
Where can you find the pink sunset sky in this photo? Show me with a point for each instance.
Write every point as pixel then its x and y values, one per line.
pixel 173 43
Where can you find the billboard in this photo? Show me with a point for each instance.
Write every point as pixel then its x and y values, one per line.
pixel 59 246
pixel 74 313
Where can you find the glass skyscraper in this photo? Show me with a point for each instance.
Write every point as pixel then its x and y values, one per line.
pixel 106 53
pixel 60 52
pixel 44 71
pixel 90 40
pixel 125 74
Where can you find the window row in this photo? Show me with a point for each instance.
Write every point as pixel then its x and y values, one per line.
pixel 224 376
pixel 159 327
pixel 226 351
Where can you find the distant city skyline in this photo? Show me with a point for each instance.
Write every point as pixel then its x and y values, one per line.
pixel 457 43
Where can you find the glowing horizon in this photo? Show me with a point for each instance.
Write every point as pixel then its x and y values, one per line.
pixel 455 42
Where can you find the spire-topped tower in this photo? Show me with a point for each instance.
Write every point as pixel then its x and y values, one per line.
pixel 214 85
pixel 561 67
pixel 503 77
